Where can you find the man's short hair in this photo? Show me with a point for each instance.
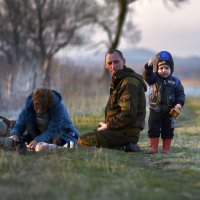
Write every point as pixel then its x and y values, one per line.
pixel 113 51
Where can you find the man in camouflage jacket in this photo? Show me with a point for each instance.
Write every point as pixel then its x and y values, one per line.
pixel 125 110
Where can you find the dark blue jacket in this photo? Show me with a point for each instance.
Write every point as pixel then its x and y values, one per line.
pixel 165 93
pixel 59 121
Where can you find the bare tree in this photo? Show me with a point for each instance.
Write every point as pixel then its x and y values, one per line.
pixel 112 18
pixel 40 28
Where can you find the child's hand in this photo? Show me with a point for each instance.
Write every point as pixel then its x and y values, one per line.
pixel 175 112
pixel 179 106
pixel 151 61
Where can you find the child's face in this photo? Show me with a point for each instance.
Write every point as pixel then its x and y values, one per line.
pixel 164 71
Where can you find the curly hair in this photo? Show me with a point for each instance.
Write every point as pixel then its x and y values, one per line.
pixel 43 99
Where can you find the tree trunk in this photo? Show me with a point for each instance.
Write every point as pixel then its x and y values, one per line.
pixel 34 81
pixel 123 9
pixel 0 91
pixel 46 72
pixel 10 85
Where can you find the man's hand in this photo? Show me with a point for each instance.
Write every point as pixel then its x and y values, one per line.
pixel 32 145
pixel 102 126
pixel 14 137
pixel 42 146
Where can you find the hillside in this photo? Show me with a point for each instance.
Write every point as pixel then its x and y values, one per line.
pixel 185 67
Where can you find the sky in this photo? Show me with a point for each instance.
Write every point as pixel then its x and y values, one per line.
pixel 167 27
pixel 162 27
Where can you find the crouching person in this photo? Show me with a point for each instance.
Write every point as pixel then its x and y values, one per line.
pixel 125 110
pixel 44 118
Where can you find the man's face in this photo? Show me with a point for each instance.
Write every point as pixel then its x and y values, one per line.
pixel 39 103
pixel 113 62
pixel 40 109
pixel 164 71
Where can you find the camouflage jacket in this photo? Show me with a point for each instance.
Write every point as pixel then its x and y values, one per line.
pixel 126 107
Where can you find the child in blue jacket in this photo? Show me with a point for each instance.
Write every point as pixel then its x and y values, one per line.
pixel 166 94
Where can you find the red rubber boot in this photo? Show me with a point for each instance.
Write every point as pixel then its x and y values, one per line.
pixel 166 146
pixel 154 146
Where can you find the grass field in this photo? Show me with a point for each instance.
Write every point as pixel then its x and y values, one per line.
pixel 89 173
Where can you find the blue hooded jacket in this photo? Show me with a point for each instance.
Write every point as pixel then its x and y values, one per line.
pixel 165 93
pixel 59 121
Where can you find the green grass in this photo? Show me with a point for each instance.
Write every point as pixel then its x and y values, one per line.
pixel 96 173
